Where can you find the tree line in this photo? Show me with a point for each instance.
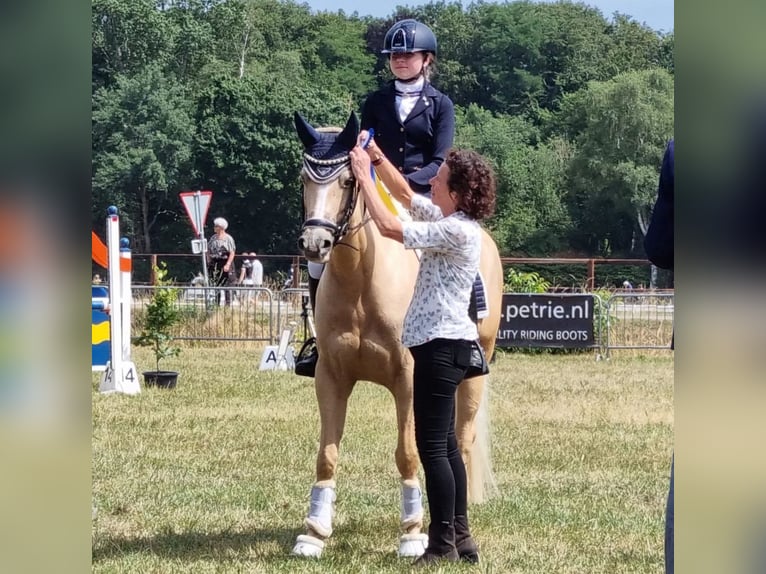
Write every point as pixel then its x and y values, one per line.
pixel 573 108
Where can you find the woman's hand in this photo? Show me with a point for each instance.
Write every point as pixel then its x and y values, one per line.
pixel 388 224
pixel 360 163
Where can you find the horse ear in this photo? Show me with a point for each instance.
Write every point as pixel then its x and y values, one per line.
pixel 347 138
pixel 307 134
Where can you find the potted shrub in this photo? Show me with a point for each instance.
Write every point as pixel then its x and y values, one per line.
pixel 162 314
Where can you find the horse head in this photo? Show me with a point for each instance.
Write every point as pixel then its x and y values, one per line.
pixel 329 187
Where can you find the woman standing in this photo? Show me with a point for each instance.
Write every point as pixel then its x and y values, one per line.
pixel 220 252
pixel 414 123
pixel 437 327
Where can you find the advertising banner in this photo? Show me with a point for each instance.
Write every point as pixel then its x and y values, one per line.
pixel 546 320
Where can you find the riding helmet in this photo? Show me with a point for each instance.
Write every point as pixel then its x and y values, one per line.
pixel 409 36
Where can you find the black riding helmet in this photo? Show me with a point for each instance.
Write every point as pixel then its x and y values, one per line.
pixel 409 36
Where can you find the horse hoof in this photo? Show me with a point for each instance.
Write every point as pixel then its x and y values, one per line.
pixel 308 546
pixel 412 545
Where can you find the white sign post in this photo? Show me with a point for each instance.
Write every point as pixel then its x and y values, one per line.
pixel 120 374
pixel 280 357
pixel 197 204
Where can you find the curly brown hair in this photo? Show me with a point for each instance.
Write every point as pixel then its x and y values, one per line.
pixel 473 179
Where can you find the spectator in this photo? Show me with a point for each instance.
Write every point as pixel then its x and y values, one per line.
pixel 251 273
pixel 220 252
pixel 289 280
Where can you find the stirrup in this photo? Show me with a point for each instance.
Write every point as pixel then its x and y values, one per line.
pixel 306 362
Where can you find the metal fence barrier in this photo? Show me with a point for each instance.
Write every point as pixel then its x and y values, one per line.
pixel 292 308
pixel 639 321
pixel 217 313
pixel 232 313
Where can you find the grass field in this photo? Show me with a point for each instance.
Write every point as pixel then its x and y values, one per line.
pixel 214 476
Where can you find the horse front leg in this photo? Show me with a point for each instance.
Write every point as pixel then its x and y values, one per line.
pixel 412 542
pixel 332 397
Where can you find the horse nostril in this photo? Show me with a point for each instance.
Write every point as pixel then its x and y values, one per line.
pixel 326 244
pixel 301 243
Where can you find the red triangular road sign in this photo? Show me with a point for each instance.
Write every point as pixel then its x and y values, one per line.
pixel 196 203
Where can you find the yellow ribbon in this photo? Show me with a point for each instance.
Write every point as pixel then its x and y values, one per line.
pixel 384 193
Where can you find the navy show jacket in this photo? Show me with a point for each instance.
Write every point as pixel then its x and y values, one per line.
pixel 417 146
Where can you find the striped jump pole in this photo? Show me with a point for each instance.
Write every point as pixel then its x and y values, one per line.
pixel 120 375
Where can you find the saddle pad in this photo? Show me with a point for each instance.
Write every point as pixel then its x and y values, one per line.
pixel 478 308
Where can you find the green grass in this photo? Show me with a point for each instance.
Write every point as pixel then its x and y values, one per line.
pixel 214 476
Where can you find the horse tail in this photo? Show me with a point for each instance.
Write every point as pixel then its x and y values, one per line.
pixel 482 483
pixel 481 479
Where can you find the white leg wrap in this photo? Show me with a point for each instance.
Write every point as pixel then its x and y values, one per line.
pixel 413 545
pixel 308 546
pixel 411 505
pixel 321 510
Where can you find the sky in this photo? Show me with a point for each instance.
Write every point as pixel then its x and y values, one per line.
pixel 657 14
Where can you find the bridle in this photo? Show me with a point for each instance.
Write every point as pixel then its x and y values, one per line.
pixel 323 171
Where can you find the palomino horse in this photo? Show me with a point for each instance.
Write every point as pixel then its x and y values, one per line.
pixel 362 298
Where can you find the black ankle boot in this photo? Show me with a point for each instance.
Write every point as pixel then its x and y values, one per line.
pixel 441 545
pixel 464 542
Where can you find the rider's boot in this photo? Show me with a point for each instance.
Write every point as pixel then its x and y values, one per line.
pixel 306 365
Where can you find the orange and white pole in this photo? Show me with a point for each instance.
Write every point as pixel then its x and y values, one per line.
pixel 126 295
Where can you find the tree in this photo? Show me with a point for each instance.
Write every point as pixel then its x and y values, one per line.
pixel 127 36
pixel 337 58
pixel 526 55
pixel 194 42
pixel 530 217
pixel 620 129
pixel 633 47
pixel 522 57
pixel 142 135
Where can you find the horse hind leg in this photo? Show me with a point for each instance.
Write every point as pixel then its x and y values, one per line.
pixel 412 542
pixel 473 437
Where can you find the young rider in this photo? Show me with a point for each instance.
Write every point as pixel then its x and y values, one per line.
pixel 413 122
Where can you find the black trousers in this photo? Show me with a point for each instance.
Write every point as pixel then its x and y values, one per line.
pixel 440 365
pixel 222 278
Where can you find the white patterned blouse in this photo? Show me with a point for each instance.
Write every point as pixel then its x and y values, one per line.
pixel 451 250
